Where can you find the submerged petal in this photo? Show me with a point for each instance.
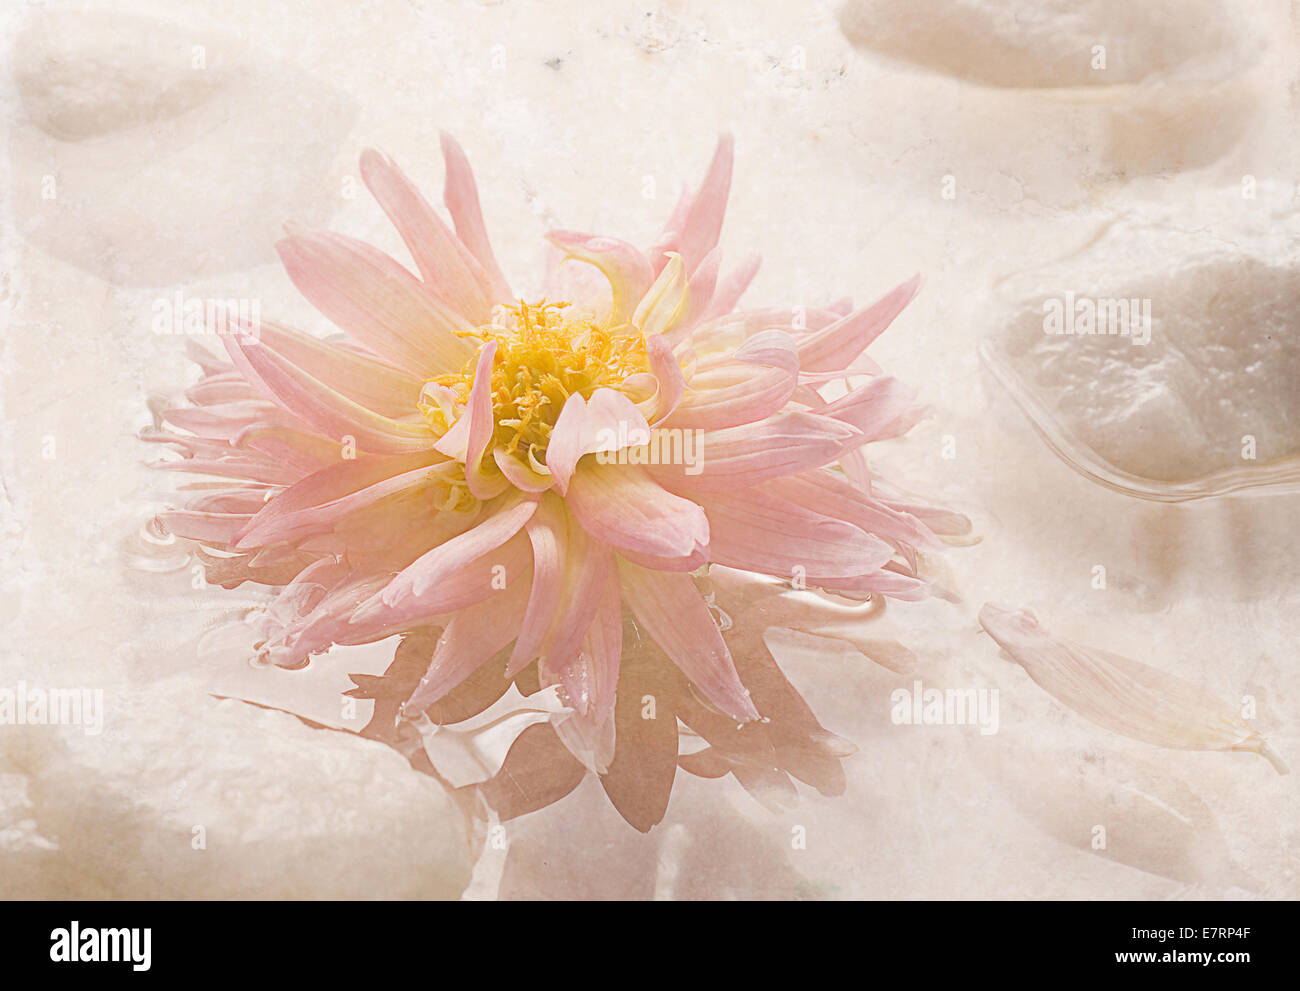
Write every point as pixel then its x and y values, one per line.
pixel 472 636
pixel 674 614
pixel 1121 694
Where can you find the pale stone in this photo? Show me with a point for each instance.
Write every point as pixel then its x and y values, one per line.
pixel 1051 43
pixel 184 796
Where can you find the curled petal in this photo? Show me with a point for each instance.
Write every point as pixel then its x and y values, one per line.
pixel 669 384
pixel 665 301
pixel 467 439
pixel 608 421
pixel 434 566
pixel 626 268
pixel 748 385
pixel 521 473
pixel 621 505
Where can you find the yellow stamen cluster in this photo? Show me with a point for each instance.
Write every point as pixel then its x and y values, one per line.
pixel 548 355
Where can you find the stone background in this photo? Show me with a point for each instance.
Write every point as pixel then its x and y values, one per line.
pixel 172 175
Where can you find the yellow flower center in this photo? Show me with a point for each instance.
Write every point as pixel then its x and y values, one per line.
pixel 549 354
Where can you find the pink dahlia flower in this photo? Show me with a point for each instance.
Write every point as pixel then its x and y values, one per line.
pixel 518 473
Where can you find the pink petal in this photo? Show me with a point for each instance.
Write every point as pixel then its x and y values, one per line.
pixel 626 268
pixel 881 408
pixel 210 363
pixel 548 535
pixel 225 421
pixel 323 612
pixel 691 562
pixel 752 383
pixel 728 332
pixel 315 503
pixel 460 194
pixel 252 469
pixel 699 293
pixel 732 287
pixel 828 495
pixel 304 452
pixel 756 531
pixel 884 582
pixel 590 682
pixel 216 390
pixel 945 522
pixel 588 579
pixel 247 500
pixel 460 587
pixel 471 637
pixel 216 528
pixel 608 421
pixel 835 346
pixel 703 223
pixel 323 408
pixel 376 301
pixel 434 566
pixel 673 613
pixel 364 380
pixel 468 438
pixel 671 233
pixel 447 265
pixel 621 505
pixel 782 444
pixel 669 386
